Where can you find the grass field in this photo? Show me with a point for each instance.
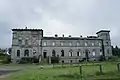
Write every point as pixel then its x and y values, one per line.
pixel 67 72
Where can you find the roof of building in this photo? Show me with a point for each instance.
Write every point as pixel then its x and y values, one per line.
pixel 69 38
pixel 27 29
pixel 103 31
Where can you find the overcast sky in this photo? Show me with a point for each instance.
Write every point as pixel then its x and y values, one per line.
pixel 73 17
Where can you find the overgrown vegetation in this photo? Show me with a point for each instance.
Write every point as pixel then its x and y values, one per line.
pixel 68 73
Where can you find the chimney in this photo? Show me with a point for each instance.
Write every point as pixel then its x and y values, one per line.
pixel 56 35
pixel 25 27
pixel 63 35
pixel 80 36
pixel 69 35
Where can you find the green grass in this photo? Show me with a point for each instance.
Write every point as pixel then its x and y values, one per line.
pixel 67 73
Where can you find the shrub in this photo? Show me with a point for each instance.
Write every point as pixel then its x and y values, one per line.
pixel 113 58
pixel 28 60
pixel 101 58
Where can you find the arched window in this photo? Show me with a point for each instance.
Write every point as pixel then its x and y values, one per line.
pixel 34 51
pixel 71 53
pixel 62 52
pixel 26 52
pixel 18 53
pixel 93 52
pixel 45 54
pixel 78 53
pixel 53 53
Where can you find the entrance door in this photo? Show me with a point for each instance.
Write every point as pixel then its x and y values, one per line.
pixel 87 55
pixel 45 54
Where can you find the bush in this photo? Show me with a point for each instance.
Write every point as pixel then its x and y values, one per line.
pixel 6 59
pixel 101 58
pixel 113 58
pixel 28 60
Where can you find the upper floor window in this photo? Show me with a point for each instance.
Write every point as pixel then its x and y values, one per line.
pixel 70 43
pixel 86 44
pixel 100 51
pixel 93 44
pixel 19 41
pixel 61 43
pixel 44 43
pixel 107 43
pixel 100 44
pixel 53 43
pixel 78 43
pixel 34 51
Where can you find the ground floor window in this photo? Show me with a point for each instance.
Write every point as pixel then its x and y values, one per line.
pixel 62 53
pixel 18 53
pixel 71 53
pixel 62 61
pixel 53 53
pixel 26 52
pixel 93 52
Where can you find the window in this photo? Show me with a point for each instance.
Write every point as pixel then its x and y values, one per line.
pixel 100 51
pixel 70 53
pixel 53 53
pixel 62 52
pixel 62 61
pixel 70 43
pixel 78 43
pixel 18 53
pixel 61 43
pixel 70 61
pixel 34 51
pixel 20 41
pixel 93 52
pixel 53 44
pixel 86 44
pixel 107 43
pixel 92 44
pixel 45 54
pixel 99 44
pixel 26 42
pixel 45 44
pixel 78 53
pixel 26 52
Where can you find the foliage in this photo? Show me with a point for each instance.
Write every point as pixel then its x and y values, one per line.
pixel 113 58
pixel 28 60
pixel 116 51
pixel 6 59
pixel 55 59
pixel 101 58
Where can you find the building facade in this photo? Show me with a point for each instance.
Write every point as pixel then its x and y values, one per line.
pixel 32 42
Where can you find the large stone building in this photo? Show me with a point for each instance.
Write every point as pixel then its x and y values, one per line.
pixel 32 42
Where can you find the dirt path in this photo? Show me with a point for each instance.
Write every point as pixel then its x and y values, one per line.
pixel 6 70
